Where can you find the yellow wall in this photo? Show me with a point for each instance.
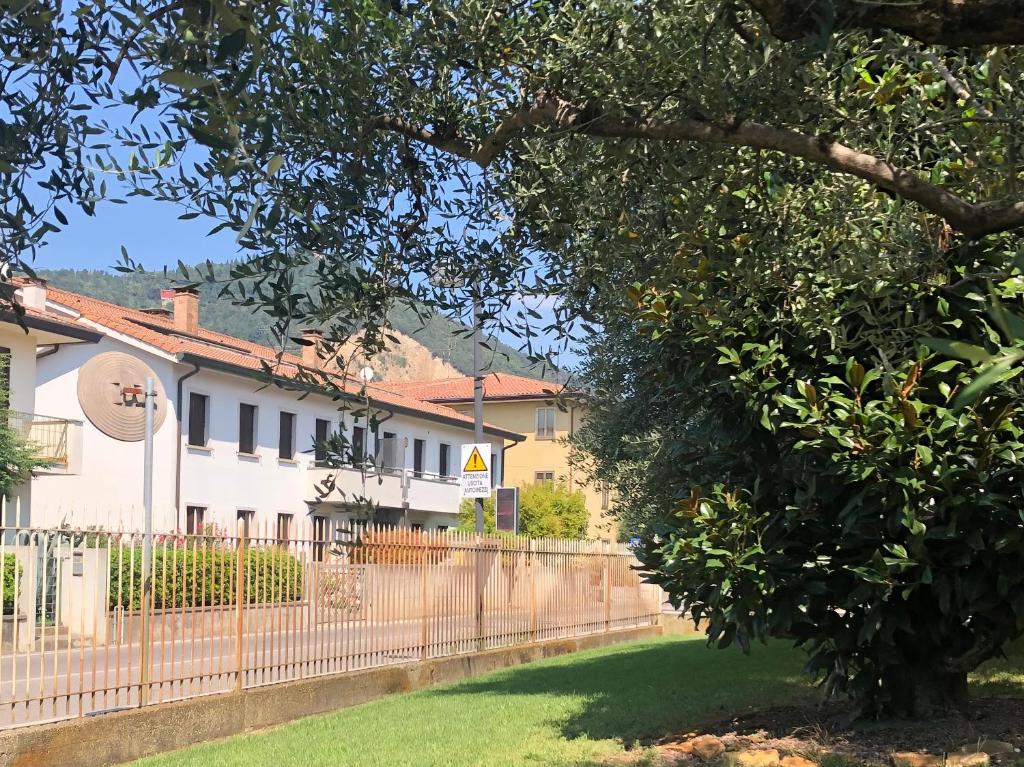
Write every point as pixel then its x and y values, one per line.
pixel 534 455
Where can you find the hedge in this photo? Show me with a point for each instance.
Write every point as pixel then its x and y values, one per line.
pixel 12 571
pixel 190 577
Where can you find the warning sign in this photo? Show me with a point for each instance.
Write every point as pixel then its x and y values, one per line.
pixel 475 462
pixel 476 471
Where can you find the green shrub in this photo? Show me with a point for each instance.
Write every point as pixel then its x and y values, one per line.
pixel 12 571
pixel 191 577
pixel 546 510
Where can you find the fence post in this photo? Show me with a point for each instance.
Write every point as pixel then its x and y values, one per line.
pixel 240 557
pixel 425 553
pixel 479 587
pixel 531 557
pixel 607 587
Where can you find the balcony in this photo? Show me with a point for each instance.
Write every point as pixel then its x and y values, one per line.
pixel 57 441
pixel 389 487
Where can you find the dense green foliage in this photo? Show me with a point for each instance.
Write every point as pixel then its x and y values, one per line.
pixel 546 510
pixel 11 574
pixel 201 576
pixel 446 339
pixel 836 481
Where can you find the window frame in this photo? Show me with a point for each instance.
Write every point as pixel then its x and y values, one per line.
pixel 549 431
pixel 194 513
pixel 287 519
pixel 320 445
pixel 282 414
pixel 357 447
pixel 194 396
pixel 246 517
pixel 254 436
pixel 444 459
pixel 540 477
pixel 419 454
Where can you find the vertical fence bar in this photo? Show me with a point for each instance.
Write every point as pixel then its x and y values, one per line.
pixel 240 558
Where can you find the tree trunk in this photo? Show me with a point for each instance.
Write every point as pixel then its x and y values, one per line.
pixel 923 693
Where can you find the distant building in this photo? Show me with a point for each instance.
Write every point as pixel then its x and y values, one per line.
pixel 546 413
pixel 241 428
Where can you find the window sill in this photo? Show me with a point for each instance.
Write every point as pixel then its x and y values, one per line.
pixel 287 462
pixel 538 438
pixel 250 457
pixel 200 449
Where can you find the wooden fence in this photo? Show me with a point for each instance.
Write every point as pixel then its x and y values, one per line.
pixel 83 632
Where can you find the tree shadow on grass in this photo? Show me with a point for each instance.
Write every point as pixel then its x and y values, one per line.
pixel 1003 677
pixel 641 693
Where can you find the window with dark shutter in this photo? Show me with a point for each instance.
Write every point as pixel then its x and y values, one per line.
pixel 322 433
pixel 194 516
pixel 358 445
pixel 246 428
pixel 418 448
pixel 286 438
pixel 444 460
pixel 197 419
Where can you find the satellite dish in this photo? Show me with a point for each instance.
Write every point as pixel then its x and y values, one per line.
pixel 111 391
pixel 366 374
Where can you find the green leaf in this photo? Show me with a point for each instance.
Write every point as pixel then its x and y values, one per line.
pixel 185 80
pixel 975 354
pixel 274 165
pixel 999 371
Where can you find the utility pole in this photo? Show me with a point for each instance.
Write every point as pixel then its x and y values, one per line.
pixel 147 543
pixel 478 393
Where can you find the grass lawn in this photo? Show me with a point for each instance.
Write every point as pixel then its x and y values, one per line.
pixel 581 709
pixel 574 710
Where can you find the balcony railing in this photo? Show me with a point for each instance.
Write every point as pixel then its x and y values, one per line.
pixel 391 487
pixel 48 434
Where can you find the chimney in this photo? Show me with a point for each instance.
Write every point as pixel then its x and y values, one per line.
pixel 33 294
pixel 186 310
pixel 311 352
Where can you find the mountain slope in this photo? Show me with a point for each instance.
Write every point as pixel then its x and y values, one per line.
pixel 446 341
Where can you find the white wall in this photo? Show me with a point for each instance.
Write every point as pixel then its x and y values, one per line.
pixel 22 398
pixel 108 492
pixel 23 366
pixel 222 481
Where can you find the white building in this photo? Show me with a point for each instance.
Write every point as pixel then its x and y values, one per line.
pixel 238 430
pixel 22 337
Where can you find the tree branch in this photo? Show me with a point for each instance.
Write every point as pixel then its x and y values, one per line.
pixel 972 219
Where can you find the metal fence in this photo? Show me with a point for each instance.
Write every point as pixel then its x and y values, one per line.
pixel 83 633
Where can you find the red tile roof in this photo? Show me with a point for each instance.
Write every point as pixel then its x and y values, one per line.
pixel 236 353
pixel 497 386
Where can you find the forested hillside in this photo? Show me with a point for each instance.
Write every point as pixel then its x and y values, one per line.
pixel 445 339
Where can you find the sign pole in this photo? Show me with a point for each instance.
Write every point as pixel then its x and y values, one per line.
pixel 478 395
pixel 147 544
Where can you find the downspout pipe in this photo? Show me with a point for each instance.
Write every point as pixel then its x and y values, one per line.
pixel 180 449
pixel 503 449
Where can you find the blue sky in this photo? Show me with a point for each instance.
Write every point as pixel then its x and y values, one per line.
pixel 150 230
pixel 155 238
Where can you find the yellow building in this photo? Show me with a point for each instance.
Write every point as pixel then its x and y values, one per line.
pixel 545 413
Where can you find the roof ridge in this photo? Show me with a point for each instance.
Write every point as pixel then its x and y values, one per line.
pixel 161 334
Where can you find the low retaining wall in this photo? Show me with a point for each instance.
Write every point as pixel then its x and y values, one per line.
pixel 128 735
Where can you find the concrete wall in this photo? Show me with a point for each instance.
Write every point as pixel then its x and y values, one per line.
pixel 129 735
